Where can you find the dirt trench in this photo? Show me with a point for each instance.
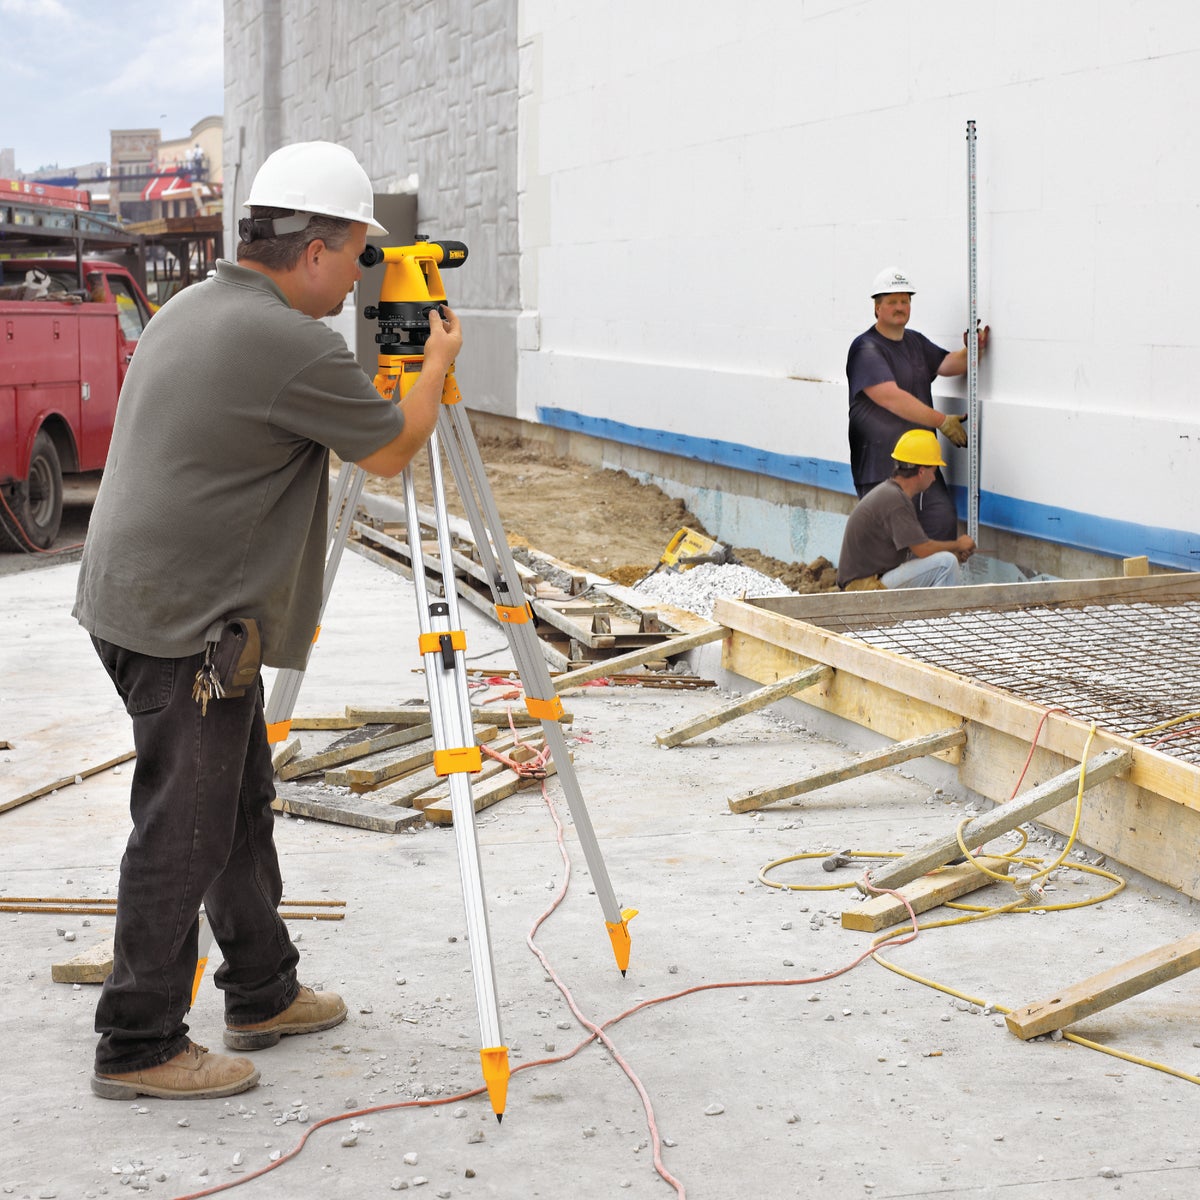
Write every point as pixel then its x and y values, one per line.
pixel 598 519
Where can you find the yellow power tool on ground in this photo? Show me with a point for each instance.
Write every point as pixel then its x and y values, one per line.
pixel 686 549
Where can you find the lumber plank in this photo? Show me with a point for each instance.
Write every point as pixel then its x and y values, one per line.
pixel 299 724
pixel 632 658
pixel 760 698
pixel 355 750
pixel 367 779
pixel 412 789
pixel 285 753
pixel 93 965
pixel 488 715
pixel 677 618
pixel 863 764
pixel 402 714
pixel 1002 819
pixel 948 883
pixel 439 794
pixel 440 813
pixel 364 779
pixel 343 810
pixel 1110 987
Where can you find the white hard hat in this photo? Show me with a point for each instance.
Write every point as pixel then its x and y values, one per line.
pixel 315 177
pixel 891 279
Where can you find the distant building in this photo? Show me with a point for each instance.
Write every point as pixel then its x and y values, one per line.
pixel 191 173
pixel 133 163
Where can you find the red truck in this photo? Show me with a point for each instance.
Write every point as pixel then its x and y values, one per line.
pixel 64 351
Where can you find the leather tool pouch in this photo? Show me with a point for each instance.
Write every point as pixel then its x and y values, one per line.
pixel 237 656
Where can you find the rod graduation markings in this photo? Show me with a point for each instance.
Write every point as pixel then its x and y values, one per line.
pixel 972 345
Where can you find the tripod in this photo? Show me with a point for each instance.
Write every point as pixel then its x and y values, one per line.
pixel 412 287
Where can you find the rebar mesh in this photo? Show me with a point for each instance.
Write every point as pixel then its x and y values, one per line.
pixel 1133 668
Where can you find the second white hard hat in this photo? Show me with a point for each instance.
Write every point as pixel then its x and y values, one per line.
pixel 316 177
pixel 891 279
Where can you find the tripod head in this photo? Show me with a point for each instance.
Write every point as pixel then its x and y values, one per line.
pixel 411 290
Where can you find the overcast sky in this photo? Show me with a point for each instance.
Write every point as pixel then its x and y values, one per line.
pixel 74 69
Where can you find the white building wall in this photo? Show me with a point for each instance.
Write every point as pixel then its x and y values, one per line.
pixel 674 211
pixel 707 193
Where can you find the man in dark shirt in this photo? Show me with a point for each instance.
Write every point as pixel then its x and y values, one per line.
pixel 883 537
pixel 890 369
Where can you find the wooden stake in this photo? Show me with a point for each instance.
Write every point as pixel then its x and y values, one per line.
pixel 1002 819
pixel 1106 989
pixel 635 658
pixel 748 704
pixel 66 781
pixel 864 764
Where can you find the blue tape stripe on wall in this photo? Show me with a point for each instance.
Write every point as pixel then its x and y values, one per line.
pixel 1103 535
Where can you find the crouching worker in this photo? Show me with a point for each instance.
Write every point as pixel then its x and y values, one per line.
pixel 884 538
pixel 210 525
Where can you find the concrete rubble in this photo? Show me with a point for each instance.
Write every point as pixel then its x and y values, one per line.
pixel 861 1083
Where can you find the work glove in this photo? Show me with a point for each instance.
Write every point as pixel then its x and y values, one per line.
pixel 952 427
pixel 984 330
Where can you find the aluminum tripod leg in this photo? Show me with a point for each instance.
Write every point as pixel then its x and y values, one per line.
pixel 443 644
pixel 343 504
pixel 516 617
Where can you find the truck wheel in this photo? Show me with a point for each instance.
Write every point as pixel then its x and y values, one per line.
pixel 36 503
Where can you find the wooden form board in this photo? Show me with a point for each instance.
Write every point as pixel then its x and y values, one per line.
pixel 915 681
pixel 867 607
pixel 1149 819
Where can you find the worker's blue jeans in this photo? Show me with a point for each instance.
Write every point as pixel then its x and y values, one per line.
pixel 935 570
pixel 202 834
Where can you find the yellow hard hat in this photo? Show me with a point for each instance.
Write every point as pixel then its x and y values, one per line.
pixel 920 447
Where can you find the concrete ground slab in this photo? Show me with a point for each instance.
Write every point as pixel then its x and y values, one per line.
pixel 864 1084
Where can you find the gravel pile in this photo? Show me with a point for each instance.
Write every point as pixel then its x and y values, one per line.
pixel 698 588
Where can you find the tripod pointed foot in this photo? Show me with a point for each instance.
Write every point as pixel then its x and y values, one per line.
pixel 618 933
pixel 495 1075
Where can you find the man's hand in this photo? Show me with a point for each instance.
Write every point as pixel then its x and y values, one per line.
pixel 964 547
pixel 445 337
pixel 953 429
pixel 983 332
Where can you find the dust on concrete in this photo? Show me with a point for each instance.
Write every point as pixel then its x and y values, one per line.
pixel 595 518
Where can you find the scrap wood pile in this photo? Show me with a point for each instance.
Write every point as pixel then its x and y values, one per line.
pixel 377 771
pixel 581 619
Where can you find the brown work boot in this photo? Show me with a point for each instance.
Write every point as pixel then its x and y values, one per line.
pixel 310 1012
pixel 192 1075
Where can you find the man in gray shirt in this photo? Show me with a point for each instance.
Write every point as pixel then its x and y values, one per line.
pixel 213 506
pixel 884 537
